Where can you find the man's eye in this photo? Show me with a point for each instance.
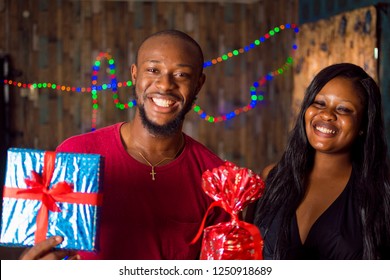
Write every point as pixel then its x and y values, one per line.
pixel 152 70
pixel 181 75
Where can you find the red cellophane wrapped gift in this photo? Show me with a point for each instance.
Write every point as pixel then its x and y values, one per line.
pixel 232 188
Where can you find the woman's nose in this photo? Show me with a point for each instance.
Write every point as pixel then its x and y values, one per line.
pixel 328 115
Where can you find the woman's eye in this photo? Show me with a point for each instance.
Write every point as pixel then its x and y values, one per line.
pixel 319 104
pixel 344 110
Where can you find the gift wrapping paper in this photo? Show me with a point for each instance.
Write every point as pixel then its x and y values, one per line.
pixel 232 189
pixel 47 194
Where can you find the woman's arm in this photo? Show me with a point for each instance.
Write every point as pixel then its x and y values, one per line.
pixel 249 211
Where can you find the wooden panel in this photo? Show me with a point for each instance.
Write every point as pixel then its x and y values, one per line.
pixel 348 37
pixel 384 65
pixel 59 41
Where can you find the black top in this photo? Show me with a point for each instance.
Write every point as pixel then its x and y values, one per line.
pixel 335 235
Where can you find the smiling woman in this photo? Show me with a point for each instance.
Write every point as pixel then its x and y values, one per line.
pixel 329 195
pixel 333 120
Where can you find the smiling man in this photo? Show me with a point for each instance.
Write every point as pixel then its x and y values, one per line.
pixel 153 201
pixel 167 81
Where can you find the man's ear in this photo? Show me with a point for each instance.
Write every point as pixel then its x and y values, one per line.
pixel 133 73
pixel 201 81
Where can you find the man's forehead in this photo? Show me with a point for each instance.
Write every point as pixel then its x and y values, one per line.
pixel 164 39
pixel 161 47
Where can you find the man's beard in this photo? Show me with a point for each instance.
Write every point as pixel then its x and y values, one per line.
pixel 168 129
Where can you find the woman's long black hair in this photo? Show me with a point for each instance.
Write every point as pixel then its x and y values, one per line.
pixel 285 184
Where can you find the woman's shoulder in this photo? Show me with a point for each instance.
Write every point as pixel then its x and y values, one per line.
pixel 266 170
pixel 249 211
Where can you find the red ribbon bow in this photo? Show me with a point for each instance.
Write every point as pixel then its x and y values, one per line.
pixel 39 190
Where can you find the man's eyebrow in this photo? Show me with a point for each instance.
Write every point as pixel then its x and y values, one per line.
pixel 185 65
pixel 152 61
pixel 179 64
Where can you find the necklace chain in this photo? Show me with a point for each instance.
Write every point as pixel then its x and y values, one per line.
pixel 153 173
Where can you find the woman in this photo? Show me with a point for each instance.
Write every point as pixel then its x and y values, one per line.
pixel 329 195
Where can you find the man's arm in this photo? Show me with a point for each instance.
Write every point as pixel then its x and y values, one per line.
pixel 45 251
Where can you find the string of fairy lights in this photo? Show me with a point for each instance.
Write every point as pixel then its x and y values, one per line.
pixel 256 95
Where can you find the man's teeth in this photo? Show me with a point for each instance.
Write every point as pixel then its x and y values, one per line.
pixel 325 130
pixel 162 102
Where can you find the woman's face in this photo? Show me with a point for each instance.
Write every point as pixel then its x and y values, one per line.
pixel 333 120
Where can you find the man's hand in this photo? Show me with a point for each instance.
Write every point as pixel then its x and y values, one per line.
pixel 45 251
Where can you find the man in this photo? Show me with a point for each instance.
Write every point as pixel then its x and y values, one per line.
pixel 153 201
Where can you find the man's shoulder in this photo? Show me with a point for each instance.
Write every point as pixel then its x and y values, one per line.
pixel 203 152
pixel 195 144
pixel 86 141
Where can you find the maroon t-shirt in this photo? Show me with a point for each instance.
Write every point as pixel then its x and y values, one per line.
pixel 142 218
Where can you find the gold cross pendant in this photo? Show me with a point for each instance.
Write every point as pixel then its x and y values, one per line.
pixel 153 173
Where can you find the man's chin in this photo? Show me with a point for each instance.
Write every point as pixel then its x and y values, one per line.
pixel 162 130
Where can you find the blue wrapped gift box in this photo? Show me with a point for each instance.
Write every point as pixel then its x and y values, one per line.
pixel 46 194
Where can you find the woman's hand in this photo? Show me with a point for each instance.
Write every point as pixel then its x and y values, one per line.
pixel 45 251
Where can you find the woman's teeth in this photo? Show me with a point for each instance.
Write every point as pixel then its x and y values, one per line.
pixel 325 130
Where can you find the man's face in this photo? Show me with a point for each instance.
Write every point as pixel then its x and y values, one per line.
pixel 167 79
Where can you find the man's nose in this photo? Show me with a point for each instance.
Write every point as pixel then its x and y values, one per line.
pixel 165 82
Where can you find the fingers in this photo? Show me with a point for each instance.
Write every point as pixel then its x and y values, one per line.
pixel 41 249
pixel 75 256
pixel 61 255
pixel 56 255
pixel 44 250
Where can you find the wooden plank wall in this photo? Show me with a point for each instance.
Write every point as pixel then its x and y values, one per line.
pixel 58 41
pixel 347 37
pixel 384 62
pixel 311 11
